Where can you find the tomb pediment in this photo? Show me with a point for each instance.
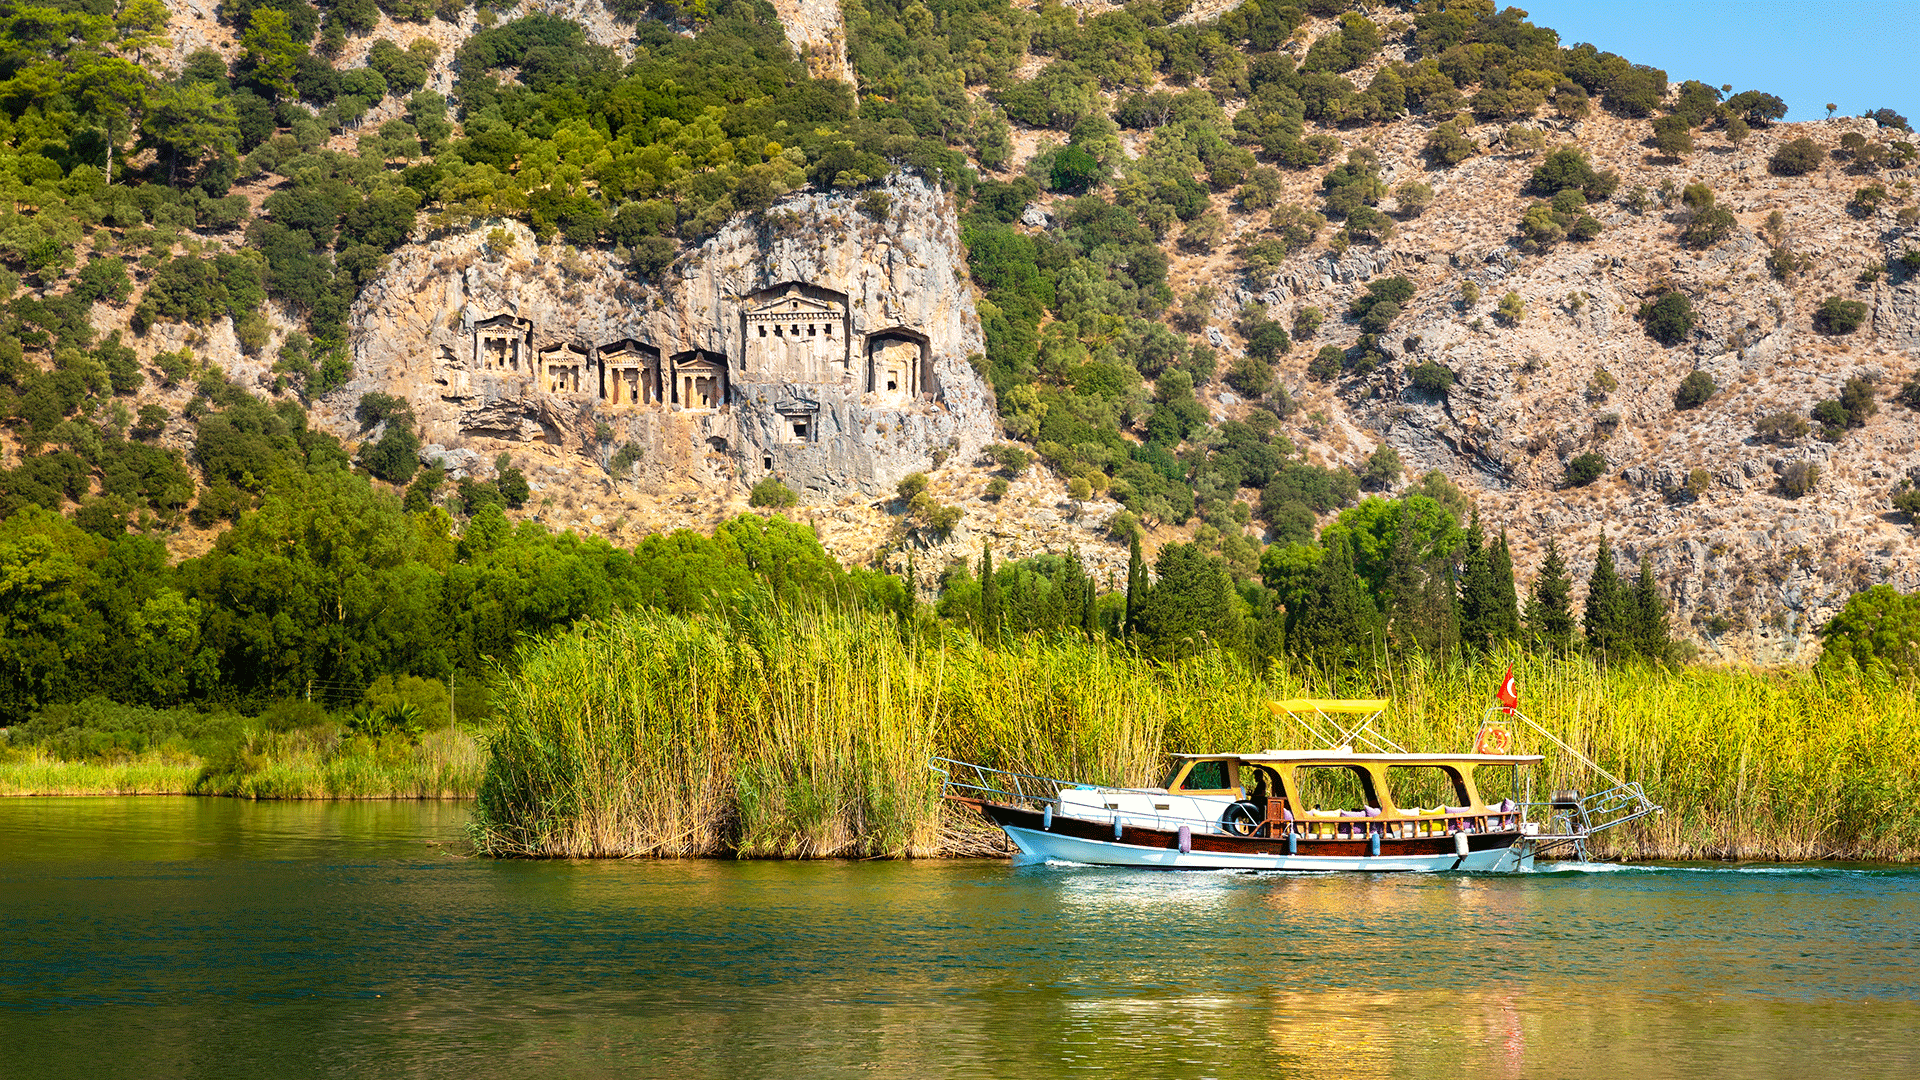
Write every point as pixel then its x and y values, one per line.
pixel 795 405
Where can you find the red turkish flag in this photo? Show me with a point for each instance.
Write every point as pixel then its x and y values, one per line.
pixel 1508 698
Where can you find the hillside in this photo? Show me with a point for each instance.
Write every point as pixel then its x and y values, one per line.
pixel 1127 238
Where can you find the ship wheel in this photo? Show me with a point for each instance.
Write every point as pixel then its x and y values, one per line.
pixel 1241 819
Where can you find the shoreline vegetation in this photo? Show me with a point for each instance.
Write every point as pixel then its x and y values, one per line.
pixel 770 732
pixel 301 764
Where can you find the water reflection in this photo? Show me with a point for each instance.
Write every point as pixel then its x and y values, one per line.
pixel 183 937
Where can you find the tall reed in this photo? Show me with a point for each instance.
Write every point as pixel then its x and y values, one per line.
pixel 769 732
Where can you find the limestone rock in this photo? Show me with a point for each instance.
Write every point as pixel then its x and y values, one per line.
pixel 813 343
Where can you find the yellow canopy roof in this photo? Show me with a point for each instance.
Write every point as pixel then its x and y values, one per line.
pixel 1329 705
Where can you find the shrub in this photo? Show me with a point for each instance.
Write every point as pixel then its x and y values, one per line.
pixel 1672 135
pixel 771 494
pixel 1780 427
pixel 375 406
pixel 1383 468
pixel 1512 309
pixel 1306 321
pixel 1413 197
pixel 1909 394
pixel 1448 146
pixel 1669 319
pixel 1430 377
pixel 625 458
pixel 1694 391
pixel 395 457
pixel 1839 316
pixel 1796 158
pixel 911 486
pixel 1014 459
pixel 1867 200
pixel 1250 376
pixel 1585 469
pixel 1568 167
pixel 1857 398
pixel 1799 478
pixel 1326 363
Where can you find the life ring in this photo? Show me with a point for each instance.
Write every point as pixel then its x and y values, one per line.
pixel 1241 819
pixel 1496 741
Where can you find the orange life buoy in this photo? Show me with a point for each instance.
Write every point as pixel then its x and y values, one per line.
pixel 1496 741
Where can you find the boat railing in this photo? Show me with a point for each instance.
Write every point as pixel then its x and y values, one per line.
pixel 964 779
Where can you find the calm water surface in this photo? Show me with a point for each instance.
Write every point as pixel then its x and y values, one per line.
pixel 208 937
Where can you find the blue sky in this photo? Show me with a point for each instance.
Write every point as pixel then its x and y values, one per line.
pixel 1858 54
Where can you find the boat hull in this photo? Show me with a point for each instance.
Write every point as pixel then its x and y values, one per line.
pixel 1079 840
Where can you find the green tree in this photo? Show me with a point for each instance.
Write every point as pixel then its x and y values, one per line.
pixel 188 123
pixel 1797 157
pixel 1550 624
pixel 1335 621
pixel 1670 318
pixel 271 50
pixel 1609 618
pixel 1651 638
pixel 1694 390
pixel 1879 626
pixel 989 595
pixel 1136 587
pixel 1192 606
pixel 1838 315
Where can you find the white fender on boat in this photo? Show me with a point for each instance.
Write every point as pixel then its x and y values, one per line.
pixel 1186 839
pixel 1460 844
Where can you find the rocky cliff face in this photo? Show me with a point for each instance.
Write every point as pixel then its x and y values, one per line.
pixel 501 345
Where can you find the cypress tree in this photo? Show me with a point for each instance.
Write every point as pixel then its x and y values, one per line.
pixel 1608 621
pixel 1550 607
pixel 1086 596
pixel 1421 608
pixel 1650 637
pixel 1503 621
pixel 989 595
pixel 1136 589
pixel 1476 590
pixel 1338 621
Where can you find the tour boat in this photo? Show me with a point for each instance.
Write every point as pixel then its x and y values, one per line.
pixel 1360 803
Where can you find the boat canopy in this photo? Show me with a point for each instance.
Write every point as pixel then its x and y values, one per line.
pixel 1329 705
pixel 1345 755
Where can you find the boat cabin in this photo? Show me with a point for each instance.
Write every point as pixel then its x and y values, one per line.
pixel 1346 794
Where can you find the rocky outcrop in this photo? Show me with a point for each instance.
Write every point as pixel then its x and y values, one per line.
pixel 819 36
pixel 499 344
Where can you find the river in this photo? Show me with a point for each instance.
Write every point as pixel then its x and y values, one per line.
pixel 164 937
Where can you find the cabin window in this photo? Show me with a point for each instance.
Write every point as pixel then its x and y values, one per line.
pixel 1334 787
pixel 1206 776
pixel 1425 786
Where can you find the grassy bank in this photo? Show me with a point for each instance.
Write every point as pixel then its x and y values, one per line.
pixel 770 734
pixel 269 765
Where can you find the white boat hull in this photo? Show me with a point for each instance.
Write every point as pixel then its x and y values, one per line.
pixel 1054 846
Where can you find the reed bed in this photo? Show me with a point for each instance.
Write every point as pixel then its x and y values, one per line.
pixel 288 765
pixel 769 733
pixel 153 773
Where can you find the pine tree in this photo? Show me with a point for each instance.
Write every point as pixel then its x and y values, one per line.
pixel 989 596
pixel 1550 607
pixel 1338 621
pixel 1650 636
pixel 1608 621
pixel 1503 621
pixel 1136 589
pixel 1476 590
